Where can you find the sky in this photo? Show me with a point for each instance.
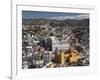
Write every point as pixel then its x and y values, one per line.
pixel 52 15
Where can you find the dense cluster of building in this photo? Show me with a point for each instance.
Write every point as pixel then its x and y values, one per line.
pixel 60 46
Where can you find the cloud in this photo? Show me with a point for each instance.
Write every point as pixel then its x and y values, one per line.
pixel 81 16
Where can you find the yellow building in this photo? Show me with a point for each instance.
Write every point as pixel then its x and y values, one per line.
pixel 74 56
pixel 61 57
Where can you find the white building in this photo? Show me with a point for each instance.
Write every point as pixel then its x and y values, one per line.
pixel 64 44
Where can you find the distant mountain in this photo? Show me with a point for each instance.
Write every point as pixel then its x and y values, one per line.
pixel 34 21
pixel 54 22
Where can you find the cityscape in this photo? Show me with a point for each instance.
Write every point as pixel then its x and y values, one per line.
pixel 54 39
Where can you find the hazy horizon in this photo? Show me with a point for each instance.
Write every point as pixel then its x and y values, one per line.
pixel 53 15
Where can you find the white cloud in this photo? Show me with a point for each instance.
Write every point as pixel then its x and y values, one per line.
pixel 81 16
